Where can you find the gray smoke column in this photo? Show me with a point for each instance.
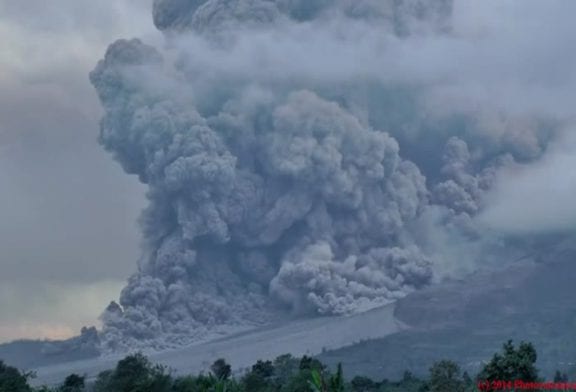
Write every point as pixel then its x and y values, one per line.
pixel 274 187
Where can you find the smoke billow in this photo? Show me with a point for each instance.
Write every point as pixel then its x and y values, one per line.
pixel 291 153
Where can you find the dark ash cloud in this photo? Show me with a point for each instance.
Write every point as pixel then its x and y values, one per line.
pixel 320 157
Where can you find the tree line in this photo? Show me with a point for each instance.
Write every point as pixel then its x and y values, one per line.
pixel 136 373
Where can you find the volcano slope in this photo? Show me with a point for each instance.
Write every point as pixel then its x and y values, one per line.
pixel 466 321
pixel 299 337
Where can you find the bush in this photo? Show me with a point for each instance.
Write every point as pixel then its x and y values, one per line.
pixel 134 373
pixel 73 383
pixel 11 379
pixel 512 364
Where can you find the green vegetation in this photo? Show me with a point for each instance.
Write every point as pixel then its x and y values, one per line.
pixel 12 380
pixel 512 364
pixel 136 373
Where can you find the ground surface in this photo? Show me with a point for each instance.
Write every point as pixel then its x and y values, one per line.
pixel 468 322
pixel 310 337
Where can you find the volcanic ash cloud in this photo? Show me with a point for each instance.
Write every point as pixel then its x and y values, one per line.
pixel 276 183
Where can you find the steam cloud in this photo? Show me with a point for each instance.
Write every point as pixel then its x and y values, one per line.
pixel 292 162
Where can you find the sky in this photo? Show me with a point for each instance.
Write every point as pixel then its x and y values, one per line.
pixel 68 235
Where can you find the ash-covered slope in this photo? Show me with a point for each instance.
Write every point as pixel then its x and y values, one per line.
pixel 298 337
pixel 468 321
pixel 27 354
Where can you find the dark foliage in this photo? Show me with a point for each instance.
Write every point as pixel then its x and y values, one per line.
pixel 73 383
pixel 136 373
pixel 560 377
pixel 11 379
pixel 512 364
pixel 445 376
pixel 221 369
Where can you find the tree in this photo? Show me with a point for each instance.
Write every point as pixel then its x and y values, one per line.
pixel 11 379
pixel 469 384
pixel 445 376
pixel 131 372
pixel 200 383
pixel 260 377
pixel 303 376
pixel 73 383
pixel 285 367
pixel 560 377
pixel 221 369
pixel 102 381
pixel 309 363
pixel 264 369
pixel 337 380
pixel 44 388
pixel 135 373
pixel 319 383
pixel 363 384
pixel 408 383
pixel 512 364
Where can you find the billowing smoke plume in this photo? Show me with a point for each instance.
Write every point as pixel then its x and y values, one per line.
pixel 292 163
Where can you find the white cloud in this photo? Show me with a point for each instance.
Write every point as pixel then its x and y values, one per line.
pixel 538 197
